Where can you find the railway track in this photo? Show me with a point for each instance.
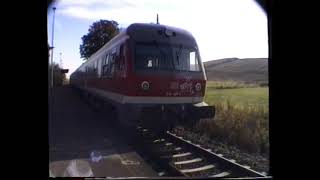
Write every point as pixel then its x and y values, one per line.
pixel 180 157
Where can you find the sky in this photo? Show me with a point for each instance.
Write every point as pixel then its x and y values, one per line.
pixel 222 28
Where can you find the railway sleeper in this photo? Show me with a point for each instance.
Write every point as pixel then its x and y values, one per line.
pixel 188 164
pixel 158 141
pixel 160 152
pixel 171 150
pixel 188 161
pixel 160 145
pixel 166 150
pixel 182 156
pixel 174 151
pixel 197 171
pixel 147 138
pixel 191 165
pixel 222 174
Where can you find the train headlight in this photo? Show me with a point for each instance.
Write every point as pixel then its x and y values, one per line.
pixel 198 87
pixel 145 85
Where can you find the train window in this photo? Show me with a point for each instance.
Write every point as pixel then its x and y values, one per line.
pixel 108 65
pixel 185 59
pixel 166 57
pixel 150 63
pixel 117 58
pixel 95 66
pixel 105 65
pixel 121 57
pixel 153 57
pixel 104 70
pixel 194 62
pixel 106 60
pixel 100 64
pixel 112 65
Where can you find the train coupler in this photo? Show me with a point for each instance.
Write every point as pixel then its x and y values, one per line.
pixel 202 111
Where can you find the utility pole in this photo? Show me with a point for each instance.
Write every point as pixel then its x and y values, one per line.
pixel 157 19
pixel 54 9
pixel 61 61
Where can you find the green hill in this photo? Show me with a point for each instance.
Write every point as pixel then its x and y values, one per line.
pixel 250 70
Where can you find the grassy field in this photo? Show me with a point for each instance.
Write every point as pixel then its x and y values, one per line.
pixel 237 94
pixel 242 115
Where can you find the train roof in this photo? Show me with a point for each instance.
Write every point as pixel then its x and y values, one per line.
pixel 138 31
pixel 139 26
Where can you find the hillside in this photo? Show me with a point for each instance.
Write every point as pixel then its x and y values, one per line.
pixel 251 70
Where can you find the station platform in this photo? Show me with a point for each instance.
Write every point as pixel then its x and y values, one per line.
pixel 82 143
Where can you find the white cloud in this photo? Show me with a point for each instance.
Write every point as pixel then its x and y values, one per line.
pixel 97 9
pixel 93 2
pixel 78 12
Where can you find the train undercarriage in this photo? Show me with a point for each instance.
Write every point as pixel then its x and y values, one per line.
pixel 164 117
pixel 156 117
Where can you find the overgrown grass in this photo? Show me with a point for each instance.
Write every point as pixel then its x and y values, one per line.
pixel 229 84
pixel 245 127
pixel 242 115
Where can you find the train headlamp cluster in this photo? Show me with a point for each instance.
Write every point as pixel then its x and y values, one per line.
pixel 198 86
pixel 145 85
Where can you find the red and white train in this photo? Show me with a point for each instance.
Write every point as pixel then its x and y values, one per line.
pixel 151 74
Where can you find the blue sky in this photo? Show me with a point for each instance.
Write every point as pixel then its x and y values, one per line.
pixel 222 28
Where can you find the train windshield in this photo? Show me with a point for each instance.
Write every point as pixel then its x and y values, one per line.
pixel 154 56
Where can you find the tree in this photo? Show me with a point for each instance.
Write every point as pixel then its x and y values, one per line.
pixel 99 34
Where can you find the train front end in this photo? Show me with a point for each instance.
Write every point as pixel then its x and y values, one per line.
pixel 167 78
